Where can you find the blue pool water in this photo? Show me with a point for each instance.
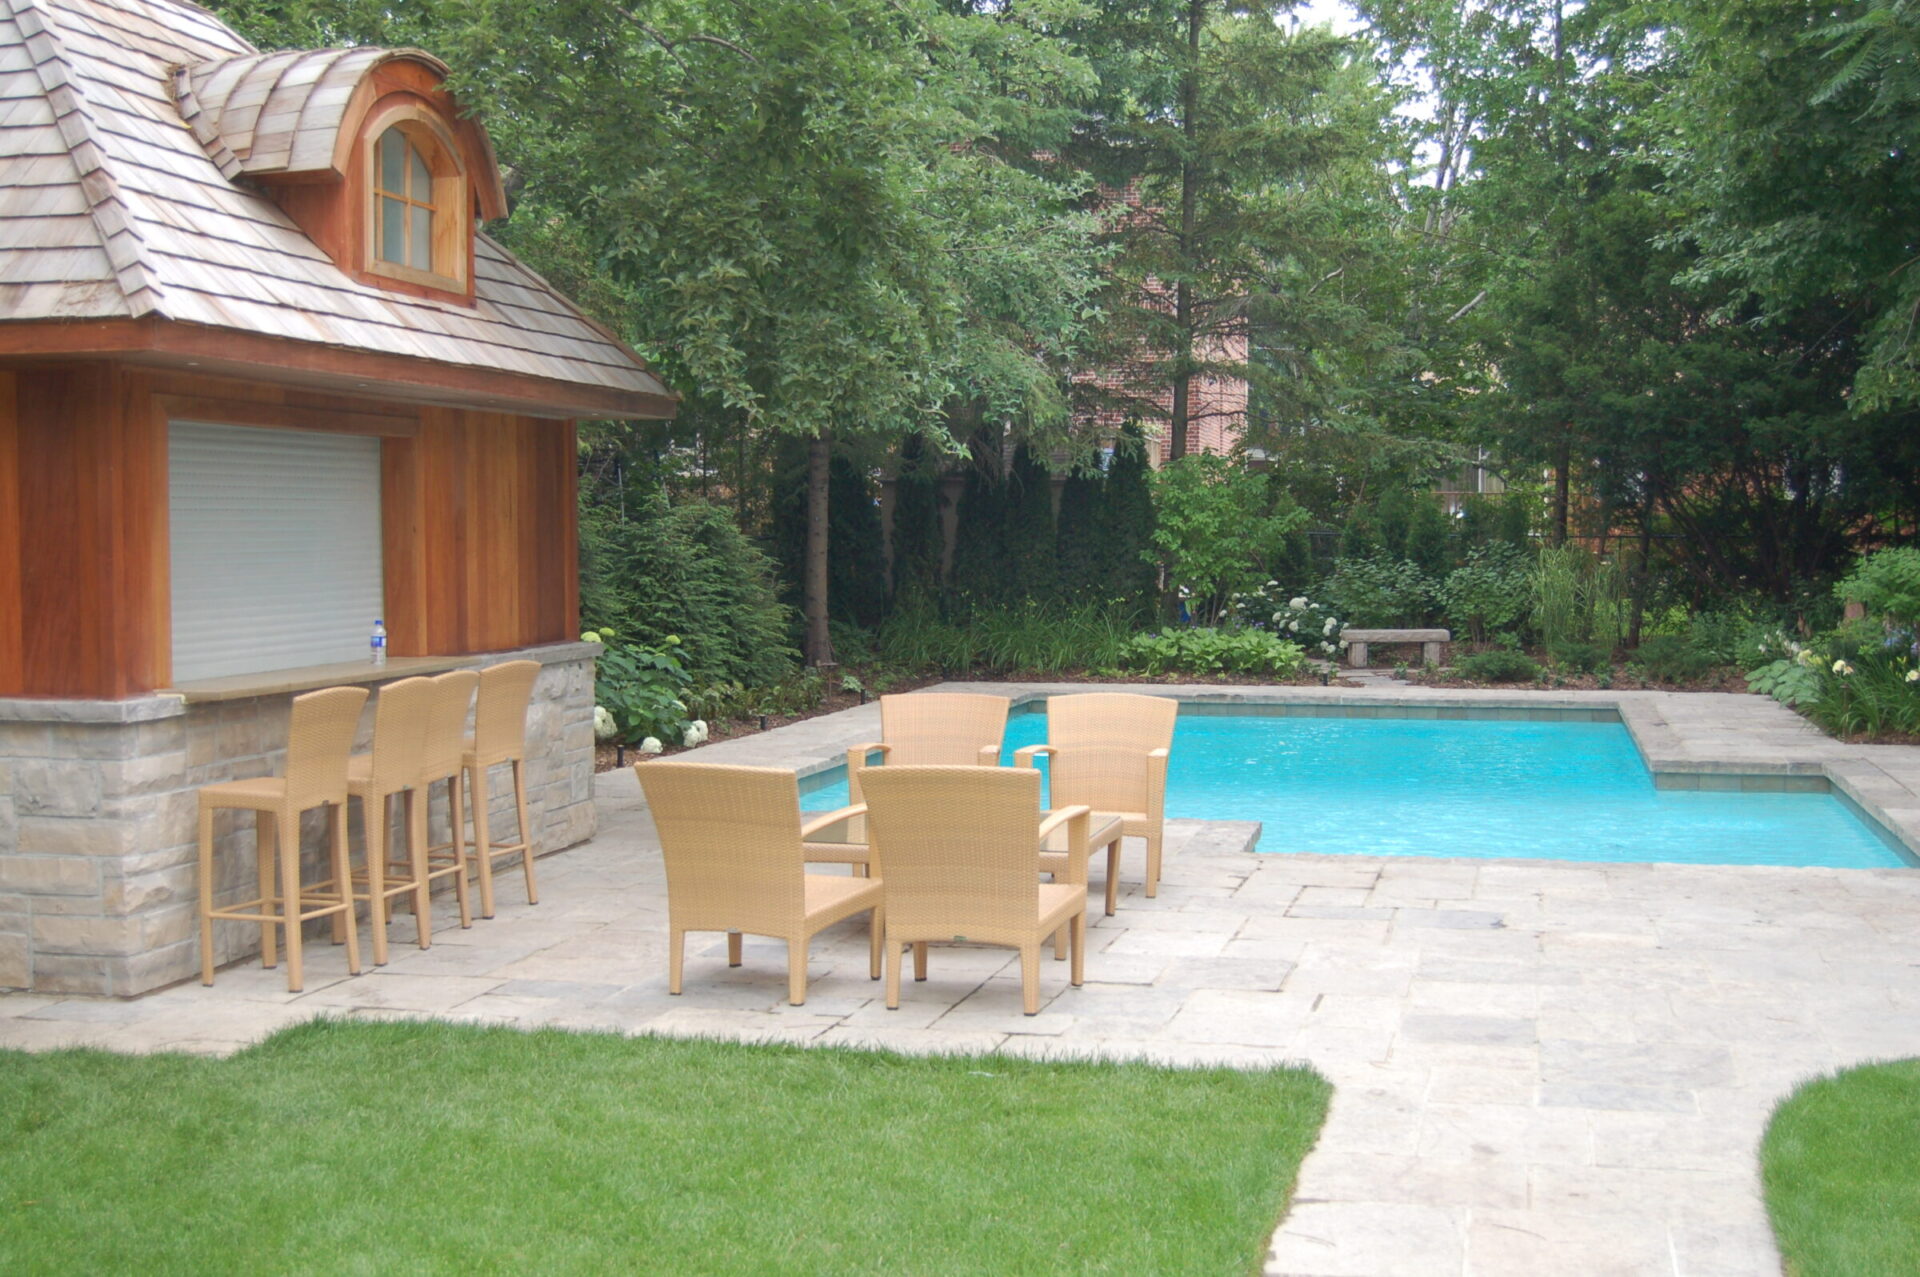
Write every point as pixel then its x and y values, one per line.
pixel 1421 787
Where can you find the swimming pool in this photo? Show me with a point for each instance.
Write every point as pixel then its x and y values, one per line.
pixel 1478 788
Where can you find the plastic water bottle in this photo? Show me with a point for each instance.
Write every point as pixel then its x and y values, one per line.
pixel 378 645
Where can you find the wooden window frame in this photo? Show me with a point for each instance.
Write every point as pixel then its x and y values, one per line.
pixel 452 228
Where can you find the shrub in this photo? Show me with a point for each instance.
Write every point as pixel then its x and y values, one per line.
pixel 1498 665
pixel 1580 658
pixel 1490 592
pixel 1671 658
pixel 1213 651
pixel 1379 591
pixel 1871 695
pixel 1887 584
pixel 1298 619
pixel 1217 526
pixel 641 688
pixel 1788 680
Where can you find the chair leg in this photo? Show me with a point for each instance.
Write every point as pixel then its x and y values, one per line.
pixel 413 807
pixel 343 874
pixel 797 972
pixel 893 976
pixel 1153 864
pixel 482 837
pixel 264 856
pixel 1079 927
pixel 526 834
pixel 289 850
pixel 920 960
pixel 1030 977
pixel 1113 876
pixel 733 948
pixel 455 792
pixel 676 957
pixel 375 827
pixel 1060 945
pixel 876 928
pixel 206 895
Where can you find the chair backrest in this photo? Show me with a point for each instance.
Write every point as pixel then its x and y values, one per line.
pixel 444 746
pixel 730 837
pixel 500 711
pixel 400 719
pixel 941 727
pixel 320 731
pixel 1102 740
pixel 957 847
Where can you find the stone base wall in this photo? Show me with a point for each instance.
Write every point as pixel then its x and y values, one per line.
pixel 99 858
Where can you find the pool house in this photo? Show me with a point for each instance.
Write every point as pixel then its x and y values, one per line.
pixel 262 383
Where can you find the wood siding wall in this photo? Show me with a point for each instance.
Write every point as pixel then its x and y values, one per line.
pixel 478 513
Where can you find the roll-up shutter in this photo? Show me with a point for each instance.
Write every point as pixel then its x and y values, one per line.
pixel 276 548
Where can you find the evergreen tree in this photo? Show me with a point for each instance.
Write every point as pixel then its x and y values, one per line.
pixel 1124 519
pixel 979 541
pixel 1394 514
pixel 1030 568
pixel 1078 555
pixel 916 522
pixel 1429 537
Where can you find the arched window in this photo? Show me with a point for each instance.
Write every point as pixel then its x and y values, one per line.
pixel 418 208
pixel 404 198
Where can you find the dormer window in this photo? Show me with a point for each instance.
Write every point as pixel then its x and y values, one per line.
pixel 403 190
pixel 416 192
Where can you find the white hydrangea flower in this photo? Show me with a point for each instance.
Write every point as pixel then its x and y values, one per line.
pixel 651 745
pixel 696 733
pixel 1293 627
pixel 1841 667
pixel 1298 604
pixel 603 725
pixel 1328 627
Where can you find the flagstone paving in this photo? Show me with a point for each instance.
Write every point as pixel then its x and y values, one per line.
pixel 1541 1067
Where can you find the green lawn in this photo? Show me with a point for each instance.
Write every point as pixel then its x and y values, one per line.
pixel 374 1147
pixel 1841 1161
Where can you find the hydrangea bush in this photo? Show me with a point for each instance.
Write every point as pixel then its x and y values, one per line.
pixel 1297 618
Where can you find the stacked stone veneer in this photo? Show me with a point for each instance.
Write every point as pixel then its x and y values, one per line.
pixel 98 821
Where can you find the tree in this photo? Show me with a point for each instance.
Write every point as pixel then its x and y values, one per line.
pixel 1210 128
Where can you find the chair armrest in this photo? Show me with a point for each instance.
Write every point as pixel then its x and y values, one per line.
pixel 1156 784
pixel 827 819
pixel 989 755
pixel 857 759
pixel 1079 822
pixel 1025 757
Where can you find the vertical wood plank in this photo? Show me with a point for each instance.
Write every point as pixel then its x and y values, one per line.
pixel 67 605
pixel 11 672
pixel 402 548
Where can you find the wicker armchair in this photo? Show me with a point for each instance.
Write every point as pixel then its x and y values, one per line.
pixel 959 856
pixel 731 838
pixel 916 728
pixel 1108 751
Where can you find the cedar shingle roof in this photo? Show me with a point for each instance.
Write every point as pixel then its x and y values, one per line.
pixel 112 207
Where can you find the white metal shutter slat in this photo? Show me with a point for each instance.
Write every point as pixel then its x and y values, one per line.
pixel 276 548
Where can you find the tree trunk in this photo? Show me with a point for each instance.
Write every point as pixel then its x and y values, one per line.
pixel 814 595
pixel 1183 321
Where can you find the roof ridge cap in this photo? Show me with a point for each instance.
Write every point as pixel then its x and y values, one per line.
pixel 112 222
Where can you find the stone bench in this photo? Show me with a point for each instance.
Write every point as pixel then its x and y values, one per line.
pixel 1433 644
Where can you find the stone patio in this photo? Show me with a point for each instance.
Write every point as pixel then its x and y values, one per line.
pixel 1541 1067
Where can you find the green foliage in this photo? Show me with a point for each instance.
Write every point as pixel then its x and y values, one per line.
pixel 642 687
pixel 1871 695
pixel 1429 538
pixel 1035 637
pixel 1297 619
pixel 1124 523
pixel 1077 553
pixel 1788 680
pixel 1498 665
pixel 682 571
pixel 916 521
pixel 1578 597
pixel 1216 527
pixel 856 566
pixel 1490 592
pixel 1672 658
pixel 1380 592
pixel 1030 570
pixel 1887 584
pixel 1841 1172
pixel 980 538
pixel 1204 650
pixel 1580 658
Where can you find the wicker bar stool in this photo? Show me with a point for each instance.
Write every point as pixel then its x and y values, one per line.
pixel 319 736
pixel 392 770
pixel 500 738
pixel 442 755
